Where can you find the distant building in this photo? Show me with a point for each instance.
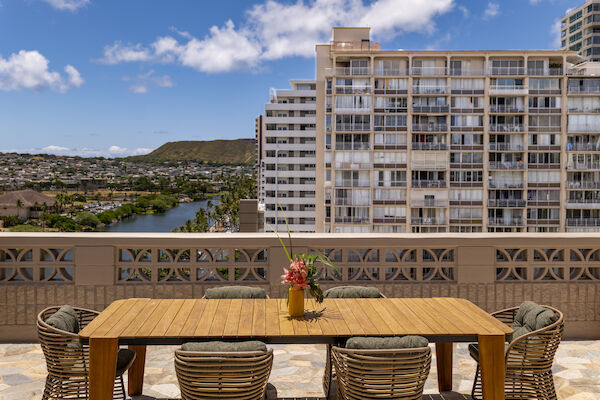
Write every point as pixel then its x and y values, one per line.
pixel 580 30
pixel 286 146
pixel 24 203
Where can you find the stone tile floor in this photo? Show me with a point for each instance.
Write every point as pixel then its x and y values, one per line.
pixel 297 371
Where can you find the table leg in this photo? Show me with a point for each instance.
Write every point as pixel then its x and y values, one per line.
pixel 136 372
pixel 103 365
pixel 443 356
pixel 491 362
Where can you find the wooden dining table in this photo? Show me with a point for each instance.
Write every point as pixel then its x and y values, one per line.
pixel 139 322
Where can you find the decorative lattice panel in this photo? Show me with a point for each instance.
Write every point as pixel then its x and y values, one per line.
pixel 36 265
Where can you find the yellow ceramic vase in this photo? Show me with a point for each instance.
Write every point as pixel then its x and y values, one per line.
pixel 296 302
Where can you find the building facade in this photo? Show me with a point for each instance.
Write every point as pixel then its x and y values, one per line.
pixel 580 30
pixel 287 163
pixel 455 141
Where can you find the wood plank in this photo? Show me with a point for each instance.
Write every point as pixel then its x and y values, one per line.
pixel 139 320
pixel 421 314
pixel 247 313
pixel 413 323
pixel 477 325
pixel 114 318
pixel 218 323
pixel 366 305
pixel 233 318
pixel 352 322
pixel 99 320
pixel 181 318
pixel 335 319
pixel 149 324
pixel 208 315
pixel 194 318
pixel 127 318
pixel 312 317
pixel 491 362
pixel 448 323
pixel 286 328
pixel 258 318
pixel 396 324
pixel 167 319
pixel 329 317
pixel 272 318
pixel 472 309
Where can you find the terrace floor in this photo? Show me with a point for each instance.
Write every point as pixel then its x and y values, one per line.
pixel 297 372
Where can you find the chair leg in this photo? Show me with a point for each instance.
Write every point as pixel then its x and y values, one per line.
pixel 327 372
pixel 474 391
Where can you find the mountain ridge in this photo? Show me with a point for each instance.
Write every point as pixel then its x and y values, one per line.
pixel 220 151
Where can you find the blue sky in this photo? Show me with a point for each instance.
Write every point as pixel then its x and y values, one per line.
pixel 120 77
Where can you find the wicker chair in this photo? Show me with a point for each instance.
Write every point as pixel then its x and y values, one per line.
pixel 328 373
pixel 67 360
pixel 381 374
pixel 528 360
pixel 232 375
pixel 237 295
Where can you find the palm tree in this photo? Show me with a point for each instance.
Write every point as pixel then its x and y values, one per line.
pixel 19 206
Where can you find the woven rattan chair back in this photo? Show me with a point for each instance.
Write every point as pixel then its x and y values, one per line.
pixel 67 361
pixel 381 374
pixel 239 375
pixel 529 360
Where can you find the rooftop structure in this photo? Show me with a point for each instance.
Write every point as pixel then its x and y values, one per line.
pixel 580 30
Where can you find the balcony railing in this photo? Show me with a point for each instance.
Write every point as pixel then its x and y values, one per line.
pixel 352 183
pixel 418 89
pixel 428 71
pixel 583 221
pixel 352 146
pixel 583 166
pixel 430 109
pixel 506 146
pixel 506 109
pixel 508 89
pixel 352 220
pixel 498 71
pixel 361 127
pixel 429 203
pixel 428 221
pixel 583 146
pixel 577 89
pixel 583 184
pixel 544 71
pixel 506 203
pixel 433 127
pixel 391 71
pixel 349 71
pixel 505 221
pixel 583 201
pixel 94 269
pixel 583 128
pixel 429 146
pixel 428 184
pixel 352 89
pixel 467 71
pixel 505 184
pixel 505 165
pixel 505 128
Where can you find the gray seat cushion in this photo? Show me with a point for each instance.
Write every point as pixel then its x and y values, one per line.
pixel 236 292
pixel 375 343
pixel 64 319
pixel 530 317
pixel 125 358
pixel 352 292
pixel 224 347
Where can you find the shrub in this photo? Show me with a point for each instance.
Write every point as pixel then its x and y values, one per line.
pixel 87 219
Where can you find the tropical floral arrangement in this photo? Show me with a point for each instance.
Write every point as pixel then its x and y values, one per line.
pixel 302 272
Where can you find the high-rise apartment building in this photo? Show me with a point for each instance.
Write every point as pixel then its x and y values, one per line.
pixel 580 30
pixel 454 141
pixel 287 163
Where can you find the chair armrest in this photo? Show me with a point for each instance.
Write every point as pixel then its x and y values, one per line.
pixel 507 315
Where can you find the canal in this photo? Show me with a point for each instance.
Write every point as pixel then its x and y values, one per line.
pixel 172 218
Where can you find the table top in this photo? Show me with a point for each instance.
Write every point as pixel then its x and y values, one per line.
pixel 174 321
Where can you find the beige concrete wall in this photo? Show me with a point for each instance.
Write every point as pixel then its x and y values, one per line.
pixel 494 271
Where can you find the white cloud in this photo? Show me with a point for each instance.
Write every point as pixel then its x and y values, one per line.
pixel 465 11
pixel 492 10
pixel 534 2
pixel 68 5
pixel 110 152
pixel 29 70
pixel 143 82
pixel 274 30
pixel 555 33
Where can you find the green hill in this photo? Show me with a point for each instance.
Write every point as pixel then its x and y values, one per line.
pixel 238 151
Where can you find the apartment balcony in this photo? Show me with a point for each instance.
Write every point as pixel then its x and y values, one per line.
pixel 290 200
pixel 545 71
pixel 583 146
pixel 540 221
pixel 391 72
pixel 443 165
pixel 344 201
pixel 350 183
pixel 506 203
pixel 295 133
pixel 430 127
pixel 505 128
pixel 583 221
pixel 466 110
pixel 290 160
pixel 506 147
pixel 291 146
pixel 507 90
pixel 583 166
pixel 465 128
pixel 429 89
pixel 354 45
pixel 389 184
pixel 352 220
pixel 589 110
pixel 543 165
pixel 583 90
pixel 429 71
pixel 506 71
pixel 501 109
pixel 426 184
pixel 390 128
pixel 348 71
pixel 430 109
pixel 290 186
pixel 583 184
pixel 505 222
pixel 583 128
pixel 277 213
pixel 352 90
pixel 353 110
pixel 466 72
pixel 583 203
pixel 289 174
pixel 544 110
pixel 428 221
pixel 306 106
pixel 349 127
pixel 391 109
pixel 506 165
pixel 311 119
pixel 352 146
pixel 505 184
pixel 429 203
pixel 533 128
pixel 429 146
pixel 352 165
pixel 466 165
